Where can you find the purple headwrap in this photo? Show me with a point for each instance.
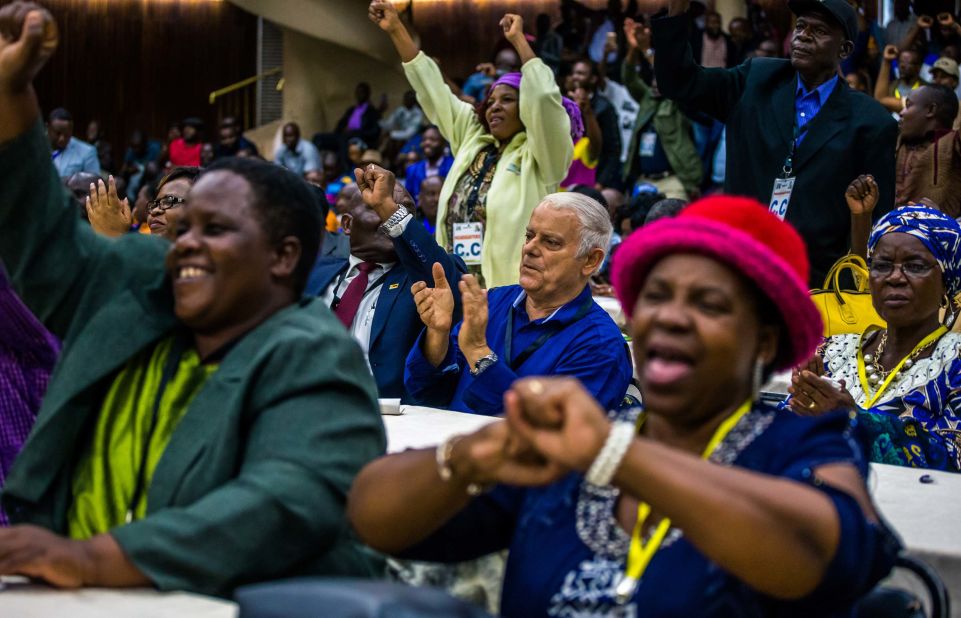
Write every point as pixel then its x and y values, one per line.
pixel 573 111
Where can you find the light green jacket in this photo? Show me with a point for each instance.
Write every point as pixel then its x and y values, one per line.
pixel 531 167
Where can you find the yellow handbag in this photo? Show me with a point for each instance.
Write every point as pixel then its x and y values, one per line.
pixel 846 311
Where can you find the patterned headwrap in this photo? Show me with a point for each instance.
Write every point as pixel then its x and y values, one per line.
pixel 577 121
pixel 939 233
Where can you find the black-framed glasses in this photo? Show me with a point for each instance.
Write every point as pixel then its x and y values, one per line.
pixel 164 204
pixel 915 269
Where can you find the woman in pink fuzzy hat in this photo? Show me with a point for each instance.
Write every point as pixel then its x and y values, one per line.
pixel 708 502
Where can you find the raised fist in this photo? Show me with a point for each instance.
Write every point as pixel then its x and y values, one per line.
pixel 28 37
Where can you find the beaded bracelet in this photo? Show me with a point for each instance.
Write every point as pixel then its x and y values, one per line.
pixel 612 453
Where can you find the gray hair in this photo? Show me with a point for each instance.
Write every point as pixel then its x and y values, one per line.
pixel 596 228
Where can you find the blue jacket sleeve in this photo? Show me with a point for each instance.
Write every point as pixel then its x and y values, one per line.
pixel 602 364
pixel 484 526
pixel 428 385
pixel 866 549
pixel 712 91
pixel 417 251
pixel 485 395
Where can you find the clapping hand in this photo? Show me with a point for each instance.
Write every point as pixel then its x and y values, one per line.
pixel 376 187
pixel 28 37
pixel 812 394
pixel 435 305
pixel 862 195
pixel 581 96
pixel 487 68
pixel 891 53
pixel 107 213
pixel 638 35
pixel 472 338
pixel 384 14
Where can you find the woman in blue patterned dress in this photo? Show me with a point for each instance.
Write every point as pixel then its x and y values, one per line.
pixel 708 503
pixel 903 380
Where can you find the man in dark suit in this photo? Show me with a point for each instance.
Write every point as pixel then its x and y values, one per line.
pixel 370 291
pixel 774 108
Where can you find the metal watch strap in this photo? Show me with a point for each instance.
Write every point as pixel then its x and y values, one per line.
pixel 483 363
pixel 394 220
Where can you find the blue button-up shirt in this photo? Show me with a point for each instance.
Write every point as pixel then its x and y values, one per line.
pixel 591 349
pixel 78 156
pixel 807 103
pixel 304 159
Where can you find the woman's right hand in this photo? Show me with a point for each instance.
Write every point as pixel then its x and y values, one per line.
pixel 862 195
pixel 384 14
pixel 513 26
pixel 435 305
pixel 496 454
pixel 108 214
pixel 813 395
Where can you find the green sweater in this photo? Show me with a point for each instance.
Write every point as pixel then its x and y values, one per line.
pixel 253 482
pixel 672 129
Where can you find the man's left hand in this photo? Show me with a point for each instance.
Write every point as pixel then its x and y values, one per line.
pixel 473 331
pixel 41 554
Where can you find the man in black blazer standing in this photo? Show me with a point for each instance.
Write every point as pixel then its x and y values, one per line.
pixel 796 134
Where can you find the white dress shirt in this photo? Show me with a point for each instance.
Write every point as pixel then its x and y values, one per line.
pixel 364 319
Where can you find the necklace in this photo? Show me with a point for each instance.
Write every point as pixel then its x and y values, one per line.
pixel 877 373
pixel 878 380
pixel 641 553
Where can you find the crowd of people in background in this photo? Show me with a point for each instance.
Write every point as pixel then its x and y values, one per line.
pixel 448 252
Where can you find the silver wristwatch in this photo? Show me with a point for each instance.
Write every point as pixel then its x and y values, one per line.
pixel 388 226
pixel 483 363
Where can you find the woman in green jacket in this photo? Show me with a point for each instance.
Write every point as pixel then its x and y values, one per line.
pixel 203 424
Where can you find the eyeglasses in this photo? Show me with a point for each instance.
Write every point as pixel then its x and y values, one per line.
pixel 165 203
pixel 884 268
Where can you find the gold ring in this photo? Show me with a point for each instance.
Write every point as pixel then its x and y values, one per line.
pixel 812 405
pixel 536 387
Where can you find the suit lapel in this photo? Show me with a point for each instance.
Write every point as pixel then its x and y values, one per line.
pixel 830 120
pixel 783 109
pixel 395 284
pixel 102 347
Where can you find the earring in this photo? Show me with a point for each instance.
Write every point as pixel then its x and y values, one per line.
pixel 950 315
pixel 757 379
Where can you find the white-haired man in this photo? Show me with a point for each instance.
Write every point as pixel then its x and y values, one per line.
pixel 546 325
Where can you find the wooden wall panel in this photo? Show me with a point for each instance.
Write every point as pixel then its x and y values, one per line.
pixel 464 33
pixel 143 63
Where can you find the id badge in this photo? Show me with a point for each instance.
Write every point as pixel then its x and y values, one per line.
pixel 469 242
pixel 781 196
pixel 648 144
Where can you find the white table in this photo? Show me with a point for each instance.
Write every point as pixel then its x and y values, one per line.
pixel 926 516
pixel 23 600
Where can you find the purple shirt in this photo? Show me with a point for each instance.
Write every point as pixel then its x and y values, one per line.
pixel 357 117
pixel 27 356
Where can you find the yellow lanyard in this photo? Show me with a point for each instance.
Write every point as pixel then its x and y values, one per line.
pixel 862 371
pixel 641 553
pixel 897 93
